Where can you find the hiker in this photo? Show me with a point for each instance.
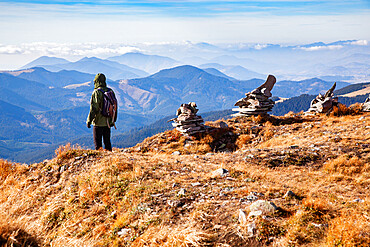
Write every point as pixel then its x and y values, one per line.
pixel 98 116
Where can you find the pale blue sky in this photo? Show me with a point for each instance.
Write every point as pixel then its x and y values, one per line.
pixel 33 28
pixel 175 20
pixel 178 8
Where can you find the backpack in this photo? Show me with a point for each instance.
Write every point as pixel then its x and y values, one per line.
pixel 109 106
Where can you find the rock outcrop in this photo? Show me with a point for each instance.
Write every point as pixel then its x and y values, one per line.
pixel 257 102
pixel 323 103
pixel 187 121
pixel 366 105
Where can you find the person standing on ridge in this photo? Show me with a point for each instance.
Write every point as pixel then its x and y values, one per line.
pixel 103 112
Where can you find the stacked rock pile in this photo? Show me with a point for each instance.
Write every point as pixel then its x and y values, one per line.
pixel 187 121
pixel 323 103
pixel 257 102
pixel 366 105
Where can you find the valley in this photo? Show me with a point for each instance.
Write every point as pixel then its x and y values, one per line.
pixel 47 101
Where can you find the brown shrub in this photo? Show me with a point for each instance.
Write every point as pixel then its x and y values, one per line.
pixel 307 225
pixel 200 148
pixel 11 169
pixel 343 110
pixel 346 166
pixel 259 119
pixel 173 135
pixel 340 110
pixel 317 205
pixel 356 108
pixel 349 229
pixel 66 151
pixel 267 229
pixel 61 149
pixel 208 139
pixel 242 140
pixel 6 168
pixel 268 130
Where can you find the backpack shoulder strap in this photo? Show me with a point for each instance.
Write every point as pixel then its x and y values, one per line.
pixel 101 90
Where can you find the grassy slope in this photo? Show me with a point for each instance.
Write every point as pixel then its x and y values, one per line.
pixel 131 197
pixel 351 88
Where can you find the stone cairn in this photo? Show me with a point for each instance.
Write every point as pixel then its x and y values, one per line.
pixel 257 102
pixel 323 103
pixel 366 105
pixel 187 120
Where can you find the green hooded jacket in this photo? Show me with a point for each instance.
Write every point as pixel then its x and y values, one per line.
pixel 96 104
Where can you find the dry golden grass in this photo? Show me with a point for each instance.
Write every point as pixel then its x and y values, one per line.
pixel 131 198
pixel 199 148
pixel 12 234
pixel 347 166
pixel 6 168
pixel 258 119
pixel 356 108
pixel 268 130
pixel 351 229
pixel 243 139
pixel 175 236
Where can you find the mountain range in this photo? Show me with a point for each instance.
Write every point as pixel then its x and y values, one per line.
pixel 48 104
pixel 113 70
pixel 165 90
pixel 136 65
pixel 149 63
pixel 233 71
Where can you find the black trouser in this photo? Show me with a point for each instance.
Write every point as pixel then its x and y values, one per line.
pixel 99 133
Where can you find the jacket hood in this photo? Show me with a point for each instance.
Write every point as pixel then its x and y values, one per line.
pixel 100 81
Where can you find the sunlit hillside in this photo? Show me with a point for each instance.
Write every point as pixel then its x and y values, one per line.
pixel 276 181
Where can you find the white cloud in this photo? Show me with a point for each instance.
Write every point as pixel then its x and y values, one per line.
pixel 105 51
pixel 335 47
pixel 320 48
pixel 67 49
pixel 10 49
pixel 260 46
pixel 358 42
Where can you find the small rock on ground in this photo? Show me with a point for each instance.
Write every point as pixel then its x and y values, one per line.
pixel 181 192
pixel 265 207
pixel 220 172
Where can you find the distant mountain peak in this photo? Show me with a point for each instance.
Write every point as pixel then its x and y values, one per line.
pixel 187 67
pixel 27 71
pixel 45 60
pixel 148 63
pixel 178 71
pixel 89 59
pixel 314 44
pixel 216 72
